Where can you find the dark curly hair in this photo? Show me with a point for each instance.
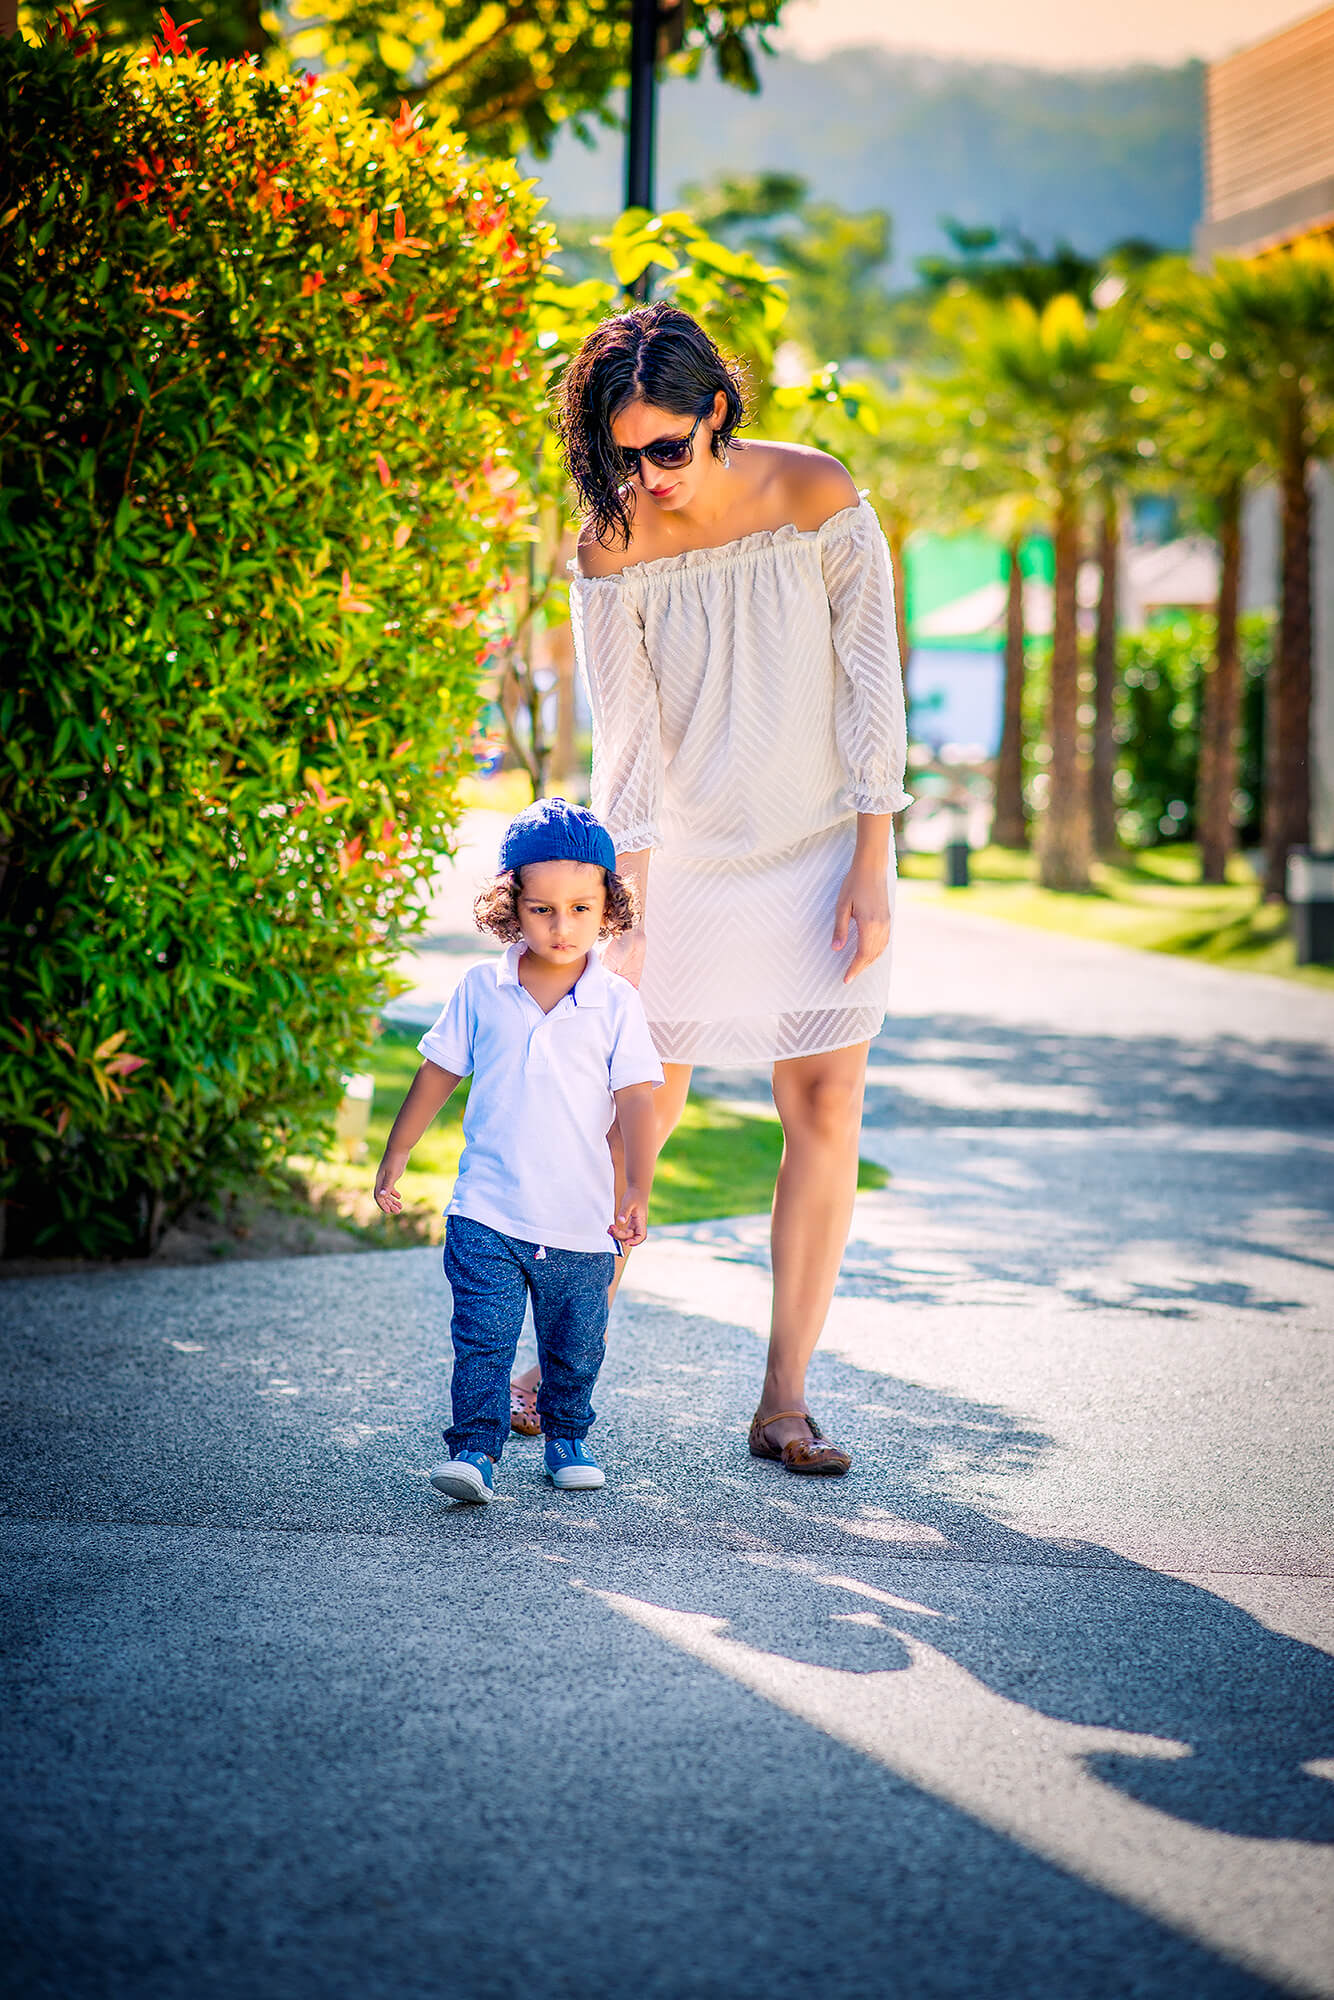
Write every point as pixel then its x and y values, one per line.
pixel 496 908
pixel 655 354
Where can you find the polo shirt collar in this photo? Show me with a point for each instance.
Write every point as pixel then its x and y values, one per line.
pixel 590 989
pixel 593 985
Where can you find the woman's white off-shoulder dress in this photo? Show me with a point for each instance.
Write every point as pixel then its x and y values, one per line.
pixel 747 704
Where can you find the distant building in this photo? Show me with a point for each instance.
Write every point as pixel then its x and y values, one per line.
pixel 1269 142
pixel 1269 179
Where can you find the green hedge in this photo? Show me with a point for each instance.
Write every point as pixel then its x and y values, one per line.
pixel 1158 726
pixel 1158 692
pixel 262 360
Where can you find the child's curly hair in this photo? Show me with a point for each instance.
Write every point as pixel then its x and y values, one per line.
pixel 497 906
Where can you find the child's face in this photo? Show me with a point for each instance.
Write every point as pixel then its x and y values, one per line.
pixel 561 906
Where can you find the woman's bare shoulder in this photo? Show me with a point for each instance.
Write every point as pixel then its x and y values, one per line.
pixel 815 485
pixel 595 558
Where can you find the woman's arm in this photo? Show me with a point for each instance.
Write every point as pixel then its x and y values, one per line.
pixel 625 954
pixel 869 718
pixel 869 722
pixel 428 1094
pixel 627 725
pixel 863 898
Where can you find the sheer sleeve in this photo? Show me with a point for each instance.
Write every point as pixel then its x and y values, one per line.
pixel 627 723
pixel 869 716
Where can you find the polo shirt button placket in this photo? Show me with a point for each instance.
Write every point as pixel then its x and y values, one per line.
pixel 540 1038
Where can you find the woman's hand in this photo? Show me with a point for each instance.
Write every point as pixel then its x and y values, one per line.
pixel 863 900
pixel 625 954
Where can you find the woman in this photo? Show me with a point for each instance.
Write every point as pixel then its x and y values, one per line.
pixel 733 615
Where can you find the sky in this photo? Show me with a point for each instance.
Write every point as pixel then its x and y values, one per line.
pixel 1058 33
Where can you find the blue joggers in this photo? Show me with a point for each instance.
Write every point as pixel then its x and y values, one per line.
pixel 491 1277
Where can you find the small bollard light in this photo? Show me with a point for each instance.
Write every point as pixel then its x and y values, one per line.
pixel 956 865
pixel 354 1115
pixel 1310 886
pixel 956 848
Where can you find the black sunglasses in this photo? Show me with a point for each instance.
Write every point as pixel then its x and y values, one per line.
pixel 668 453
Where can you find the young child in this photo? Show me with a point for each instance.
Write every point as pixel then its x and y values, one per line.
pixel 557 1047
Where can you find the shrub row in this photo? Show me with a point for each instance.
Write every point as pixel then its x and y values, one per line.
pixel 263 361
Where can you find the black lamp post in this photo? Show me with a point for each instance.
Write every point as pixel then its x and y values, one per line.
pixel 639 142
pixel 657 29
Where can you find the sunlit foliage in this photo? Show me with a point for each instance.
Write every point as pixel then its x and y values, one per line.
pixel 265 361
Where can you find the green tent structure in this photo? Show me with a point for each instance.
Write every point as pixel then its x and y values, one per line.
pixel 956 622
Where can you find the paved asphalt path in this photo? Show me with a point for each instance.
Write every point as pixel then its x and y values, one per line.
pixel 1039 1701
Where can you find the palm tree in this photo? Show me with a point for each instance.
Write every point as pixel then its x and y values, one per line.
pixel 1102 775
pixel 1220 717
pixel 1196 418
pixel 982 479
pixel 1272 326
pixel 1118 295
pixel 1039 378
pixel 1009 825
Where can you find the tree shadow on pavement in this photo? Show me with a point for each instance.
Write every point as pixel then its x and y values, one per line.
pixel 1069 1629
pixel 282 1722
pixel 1138 1079
pixel 1078 1255
pixel 971 1070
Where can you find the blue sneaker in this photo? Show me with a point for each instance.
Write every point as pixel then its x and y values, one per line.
pixel 570 1466
pixel 467 1477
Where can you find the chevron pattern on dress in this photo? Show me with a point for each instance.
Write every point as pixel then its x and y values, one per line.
pixel 870 719
pixel 747 703
pixel 764 1038
pixel 627 726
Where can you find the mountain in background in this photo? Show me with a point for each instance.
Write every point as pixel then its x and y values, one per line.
pixel 1092 155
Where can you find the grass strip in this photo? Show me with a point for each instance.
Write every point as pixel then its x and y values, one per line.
pixel 1153 900
pixel 720 1161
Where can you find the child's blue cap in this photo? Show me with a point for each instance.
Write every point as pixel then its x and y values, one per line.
pixel 555 830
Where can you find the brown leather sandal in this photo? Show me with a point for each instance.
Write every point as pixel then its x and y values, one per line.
pixel 821 1455
pixel 524 1420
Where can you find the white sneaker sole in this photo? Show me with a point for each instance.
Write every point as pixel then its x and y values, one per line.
pixel 460 1482
pixel 578 1478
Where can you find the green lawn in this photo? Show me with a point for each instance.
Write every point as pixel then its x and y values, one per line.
pixel 721 1160
pixel 1153 900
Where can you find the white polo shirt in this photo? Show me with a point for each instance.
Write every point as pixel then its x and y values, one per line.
pixel 536 1164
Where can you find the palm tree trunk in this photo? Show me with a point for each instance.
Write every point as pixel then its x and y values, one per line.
pixel 1010 824
pixel 1063 842
pixel 1288 717
pixel 1220 718
pixel 1103 798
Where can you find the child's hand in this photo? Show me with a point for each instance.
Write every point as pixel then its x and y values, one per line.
pixel 387 1196
pixel 631 1224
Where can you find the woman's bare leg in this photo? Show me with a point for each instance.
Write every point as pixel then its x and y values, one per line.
pixel 668 1104
pixel 819 1099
